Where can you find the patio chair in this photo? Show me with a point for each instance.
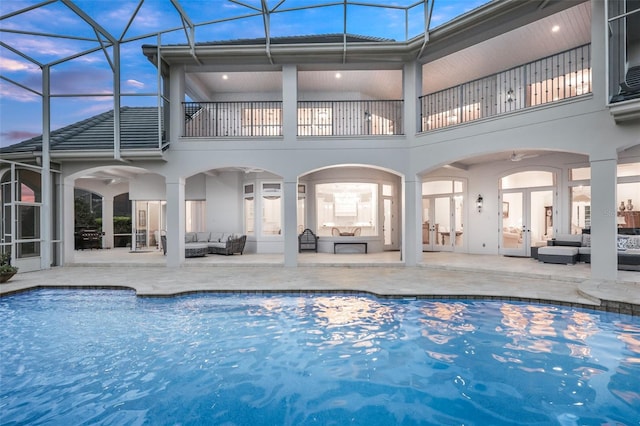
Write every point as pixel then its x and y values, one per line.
pixel 307 240
pixel 630 86
pixel 631 83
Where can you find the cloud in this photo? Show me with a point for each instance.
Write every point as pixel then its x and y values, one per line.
pixel 81 80
pixel 14 136
pixel 12 65
pixel 135 83
pixel 18 135
pixel 10 92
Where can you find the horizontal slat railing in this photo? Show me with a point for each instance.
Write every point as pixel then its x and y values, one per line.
pixel 215 119
pixel 561 76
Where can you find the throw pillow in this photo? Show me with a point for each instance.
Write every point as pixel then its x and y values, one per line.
pixel 622 242
pixel 634 242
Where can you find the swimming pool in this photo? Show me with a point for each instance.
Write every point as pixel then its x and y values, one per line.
pixel 108 357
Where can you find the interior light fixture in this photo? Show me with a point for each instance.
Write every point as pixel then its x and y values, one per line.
pixel 555 28
pixel 479 202
pixel 225 77
pixel 338 75
pixel 510 97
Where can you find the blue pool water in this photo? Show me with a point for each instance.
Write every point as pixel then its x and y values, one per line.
pixel 73 357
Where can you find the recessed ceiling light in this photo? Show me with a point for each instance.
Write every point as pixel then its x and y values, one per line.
pixel 338 75
pixel 555 28
pixel 225 77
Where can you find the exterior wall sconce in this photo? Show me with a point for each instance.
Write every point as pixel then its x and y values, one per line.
pixel 367 116
pixel 479 202
pixel 510 97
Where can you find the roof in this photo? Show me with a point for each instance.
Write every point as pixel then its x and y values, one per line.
pixel 138 130
pixel 302 39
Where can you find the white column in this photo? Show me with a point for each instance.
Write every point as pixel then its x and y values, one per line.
pixel 604 256
pixel 412 227
pixel 411 91
pixel 290 102
pixel 107 222
pixel 176 95
pixel 175 223
pixel 68 219
pixel 291 223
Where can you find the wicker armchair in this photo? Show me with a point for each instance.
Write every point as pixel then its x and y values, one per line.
pixel 230 246
pixel 307 240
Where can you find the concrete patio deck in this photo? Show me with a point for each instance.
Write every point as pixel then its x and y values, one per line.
pixel 438 274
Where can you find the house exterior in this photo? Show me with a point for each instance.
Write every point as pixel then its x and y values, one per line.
pixel 487 135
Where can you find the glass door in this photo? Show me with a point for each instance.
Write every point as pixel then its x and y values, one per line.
pixel 513 229
pixel 436 225
pixel 389 222
pixel 527 220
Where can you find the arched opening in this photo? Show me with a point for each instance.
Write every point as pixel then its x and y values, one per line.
pixel 348 206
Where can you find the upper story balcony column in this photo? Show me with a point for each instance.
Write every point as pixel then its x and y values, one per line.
pixel 289 102
pixel 412 79
pixel 176 97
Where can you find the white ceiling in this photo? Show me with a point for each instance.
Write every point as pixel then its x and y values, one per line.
pixel 523 45
pixel 526 44
pixel 379 84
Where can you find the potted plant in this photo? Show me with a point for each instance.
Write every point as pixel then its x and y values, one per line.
pixel 6 270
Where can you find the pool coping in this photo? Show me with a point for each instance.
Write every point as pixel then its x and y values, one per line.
pixel 387 282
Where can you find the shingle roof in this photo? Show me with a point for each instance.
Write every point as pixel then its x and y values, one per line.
pixel 321 38
pixel 138 130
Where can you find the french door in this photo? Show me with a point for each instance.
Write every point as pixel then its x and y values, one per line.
pixel 527 220
pixel 442 222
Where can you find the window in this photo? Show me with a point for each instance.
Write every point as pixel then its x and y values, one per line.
pixel 627 196
pixel 315 121
pixel 249 210
pixel 580 173
pixel 195 216
pixel 347 206
pixel 271 209
pixel 302 197
pixel 580 208
pixel 261 122
pixel 561 87
pixel 531 179
pixel 623 28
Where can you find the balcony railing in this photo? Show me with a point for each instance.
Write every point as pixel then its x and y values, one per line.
pixel 215 119
pixel 561 76
pixel 350 118
pixel 315 118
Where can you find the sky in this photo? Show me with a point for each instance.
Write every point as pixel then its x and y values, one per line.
pixel 82 84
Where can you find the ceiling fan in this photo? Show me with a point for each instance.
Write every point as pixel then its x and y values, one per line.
pixel 521 156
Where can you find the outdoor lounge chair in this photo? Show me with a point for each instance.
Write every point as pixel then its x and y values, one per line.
pixel 630 86
pixel 307 241
pixel 631 83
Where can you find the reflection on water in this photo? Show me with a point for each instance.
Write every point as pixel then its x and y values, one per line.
pixel 95 357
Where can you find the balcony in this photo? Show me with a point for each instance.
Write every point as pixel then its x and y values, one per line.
pixel 561 76
pixel 350 118
pixel 229 119
pixel 315 118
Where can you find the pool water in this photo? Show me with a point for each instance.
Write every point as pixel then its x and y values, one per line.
pixel 73 357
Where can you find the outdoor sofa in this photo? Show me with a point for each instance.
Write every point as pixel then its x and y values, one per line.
pixel 572 248
pixel 203 243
